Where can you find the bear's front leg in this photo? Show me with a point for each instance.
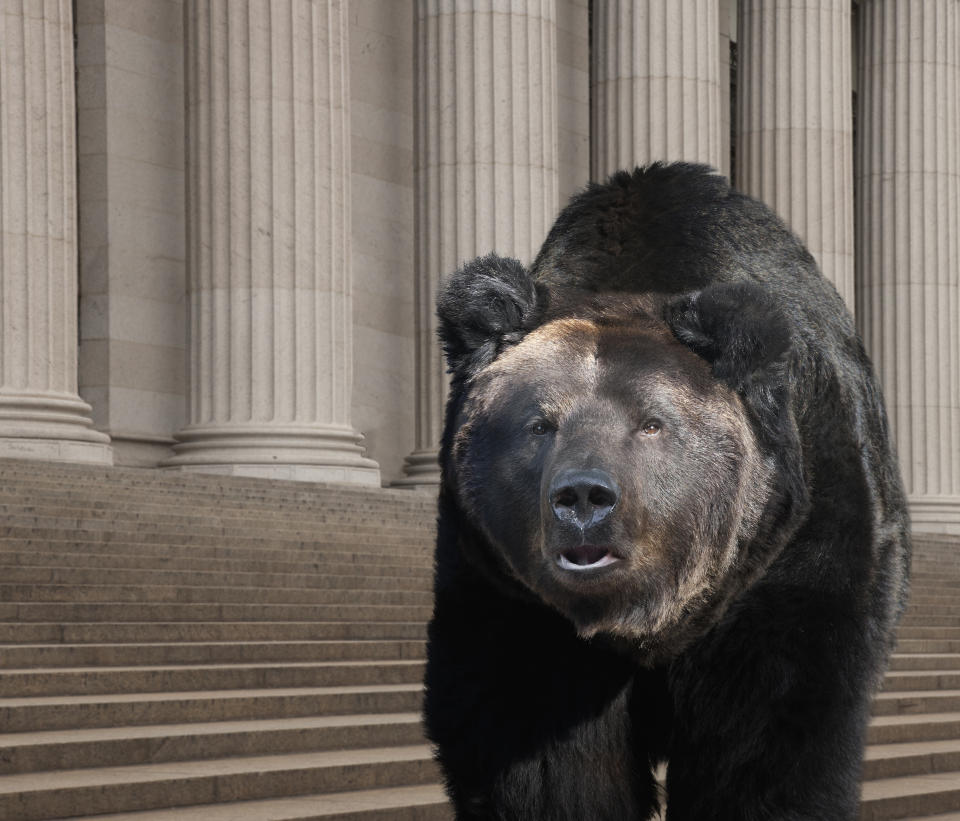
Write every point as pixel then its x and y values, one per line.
pixel 531 723
pixel 771 711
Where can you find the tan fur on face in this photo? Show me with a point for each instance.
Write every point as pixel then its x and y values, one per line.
pixel 571 372
pixel 563 340
pixel 701 591
pixel 557 356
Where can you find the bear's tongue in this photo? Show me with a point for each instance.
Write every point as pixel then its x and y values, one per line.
pixel 586 556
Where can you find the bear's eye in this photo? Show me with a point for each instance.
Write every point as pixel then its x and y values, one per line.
pixel 539 428
pixel 651 427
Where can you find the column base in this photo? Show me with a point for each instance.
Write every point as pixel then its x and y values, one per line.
pixel 319 453
pixel 50 428
pixel 422 470
pixel 935 514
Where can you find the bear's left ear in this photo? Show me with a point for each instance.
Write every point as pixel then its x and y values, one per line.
pixel 488 304
pixel 744 334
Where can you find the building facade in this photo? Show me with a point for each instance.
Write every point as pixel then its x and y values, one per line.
pixel 224 221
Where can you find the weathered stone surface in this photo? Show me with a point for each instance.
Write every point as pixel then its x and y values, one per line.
pixel 268 251
pixel 41 414
pixel 908 250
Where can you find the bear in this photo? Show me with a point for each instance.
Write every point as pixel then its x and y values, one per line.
pixel 671 526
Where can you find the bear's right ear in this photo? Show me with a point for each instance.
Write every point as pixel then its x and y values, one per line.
pixel 488 304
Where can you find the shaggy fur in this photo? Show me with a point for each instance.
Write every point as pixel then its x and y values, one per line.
pixel 675 351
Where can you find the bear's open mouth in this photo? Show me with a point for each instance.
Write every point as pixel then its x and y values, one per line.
pixel 586 557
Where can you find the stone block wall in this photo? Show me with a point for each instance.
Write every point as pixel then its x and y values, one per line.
pixel 130 152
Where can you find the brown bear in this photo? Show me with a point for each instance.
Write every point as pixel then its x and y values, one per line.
pixel 671 528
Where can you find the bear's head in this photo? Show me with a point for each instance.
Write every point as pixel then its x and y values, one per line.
pixel 623 458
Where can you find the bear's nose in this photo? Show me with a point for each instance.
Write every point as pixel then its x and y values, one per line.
pixel 583 497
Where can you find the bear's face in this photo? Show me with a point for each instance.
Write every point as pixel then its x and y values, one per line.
pixel 612 473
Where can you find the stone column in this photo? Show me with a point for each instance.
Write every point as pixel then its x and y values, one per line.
pixel 41 414
pixel 655 89
pixel 795 123
pixel 486 163
pixel 908 241
pixel 268 242
pixel 727 28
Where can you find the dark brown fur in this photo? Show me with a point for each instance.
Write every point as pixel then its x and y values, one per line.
pixel 671 525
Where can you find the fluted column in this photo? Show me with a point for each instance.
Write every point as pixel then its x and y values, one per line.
pixel 655 88
pixel 268 248
pixel 727 28
pixel 41 414
pixel 795 123
pixel 486 162
pixel 908 241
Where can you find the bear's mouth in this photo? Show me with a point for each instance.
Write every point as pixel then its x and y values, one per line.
pixel 586 557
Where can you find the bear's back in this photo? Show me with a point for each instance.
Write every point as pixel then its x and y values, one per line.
pixel 679 227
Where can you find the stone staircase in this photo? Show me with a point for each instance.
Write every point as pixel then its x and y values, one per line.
pixel 195 647
pixel 912 765
pixel 201 648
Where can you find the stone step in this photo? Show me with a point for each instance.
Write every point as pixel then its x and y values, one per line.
pixel 911 620
pixel 176 509
pixel 120 746
pixel 418 803
pixel 24 473
pixel 924 661
pixel 362 525
pixel 200 594
pixel 901 680
pixel 155 611
pixel 161 631
pixel 247 555
pixel 171 545
pixel 19 715
pixel 123 555
pixel 927 632
pixel 145 486
pixel 36 474
pixel 122 501
pixel 915 758
pixel 911 702
pixel 36 797
pixel 916 796
pixel 275 497
pixel 50 529
pixel 941 607
pixel 135 654
pixel 941 587
pixel 926 646
pixel 906 729
pixel 934 576
pixel 19 683
pixel 83 575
